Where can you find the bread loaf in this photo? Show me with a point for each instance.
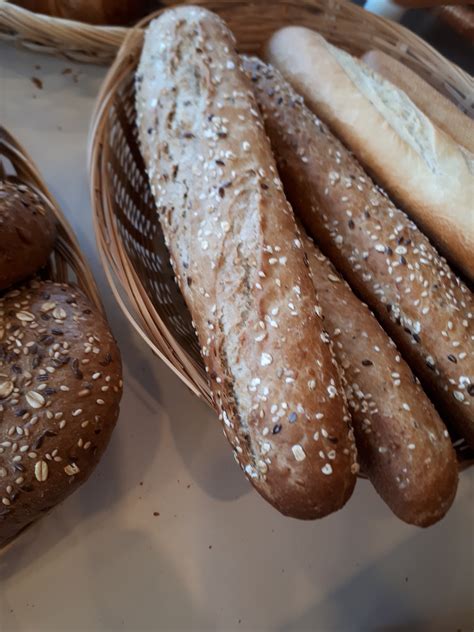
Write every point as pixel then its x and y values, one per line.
pixel 92 11
pixel 403 445
pixel 241 267
pixel 390 264
pixel 60 388
pixel 459 18
pixel 437 107
pixel 422 168
pixel 27 232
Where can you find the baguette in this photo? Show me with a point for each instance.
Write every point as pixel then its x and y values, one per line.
pixel 422 168
pixel 437 107
pixel 240 265
pixel 386 259
pixel 407 454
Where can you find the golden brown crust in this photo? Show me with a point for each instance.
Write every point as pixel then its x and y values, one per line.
pixel 240 265
pixel 424 307
pixel 437 107
pixel 402 443
pixel 421 167
pixel 27 232
pixel 60 388
pixel 91 11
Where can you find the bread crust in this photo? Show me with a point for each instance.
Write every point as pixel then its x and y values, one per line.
pixel 60 388
pixel 425 171
pixel 386 259
pixel 27 232
pixel 436 106
pixel 403 445
pixel 90 11
pixel 240 265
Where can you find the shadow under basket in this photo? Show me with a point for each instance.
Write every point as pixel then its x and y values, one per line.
pixel 66 264
pixel 128 231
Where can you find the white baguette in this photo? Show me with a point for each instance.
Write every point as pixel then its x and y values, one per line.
pixel 422 168
pixel 437 107
pixel 241 267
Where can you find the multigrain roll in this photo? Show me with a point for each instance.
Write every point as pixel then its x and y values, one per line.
pixel 241 267
pixel 402 443
pixel 422 168
pixel 27 232
pixel 390 264
pixel 60 388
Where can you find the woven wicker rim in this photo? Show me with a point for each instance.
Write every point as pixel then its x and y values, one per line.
pixel 143 310
pixel 75 40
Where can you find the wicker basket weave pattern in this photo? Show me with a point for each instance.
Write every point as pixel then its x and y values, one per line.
pixel 75 40
pixel 128 231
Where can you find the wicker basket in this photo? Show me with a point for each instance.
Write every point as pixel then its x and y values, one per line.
pixel 127 228
pixel 66 264
pixel 75 40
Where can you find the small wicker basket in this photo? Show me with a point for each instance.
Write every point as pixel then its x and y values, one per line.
pixel 128 232
pixel 66 264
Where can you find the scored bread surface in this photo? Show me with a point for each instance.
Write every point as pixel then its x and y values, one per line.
pixel 422 168
pixel 239 262
pixel 387 260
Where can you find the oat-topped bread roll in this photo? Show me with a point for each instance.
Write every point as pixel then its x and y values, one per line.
pixel 60 388
pixel 241 267
pixel 391 265
pixel 421 167
pixel 402 443
pixel 27 232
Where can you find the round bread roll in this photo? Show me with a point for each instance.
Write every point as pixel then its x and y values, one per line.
pixel 92 11
pixel 60 388
pixel 27 232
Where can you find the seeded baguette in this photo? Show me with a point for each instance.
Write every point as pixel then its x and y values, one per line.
pixel 60 388
pixel 240 264
pixel 403 445
pixel 423 169
pixel 386 259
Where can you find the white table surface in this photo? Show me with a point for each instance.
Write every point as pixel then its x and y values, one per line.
pixel 217 557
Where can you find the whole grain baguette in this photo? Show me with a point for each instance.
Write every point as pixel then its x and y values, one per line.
pixel 386 259
pixel 241 267
pixel 437 107
pixel 403 445
pixel 423 169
